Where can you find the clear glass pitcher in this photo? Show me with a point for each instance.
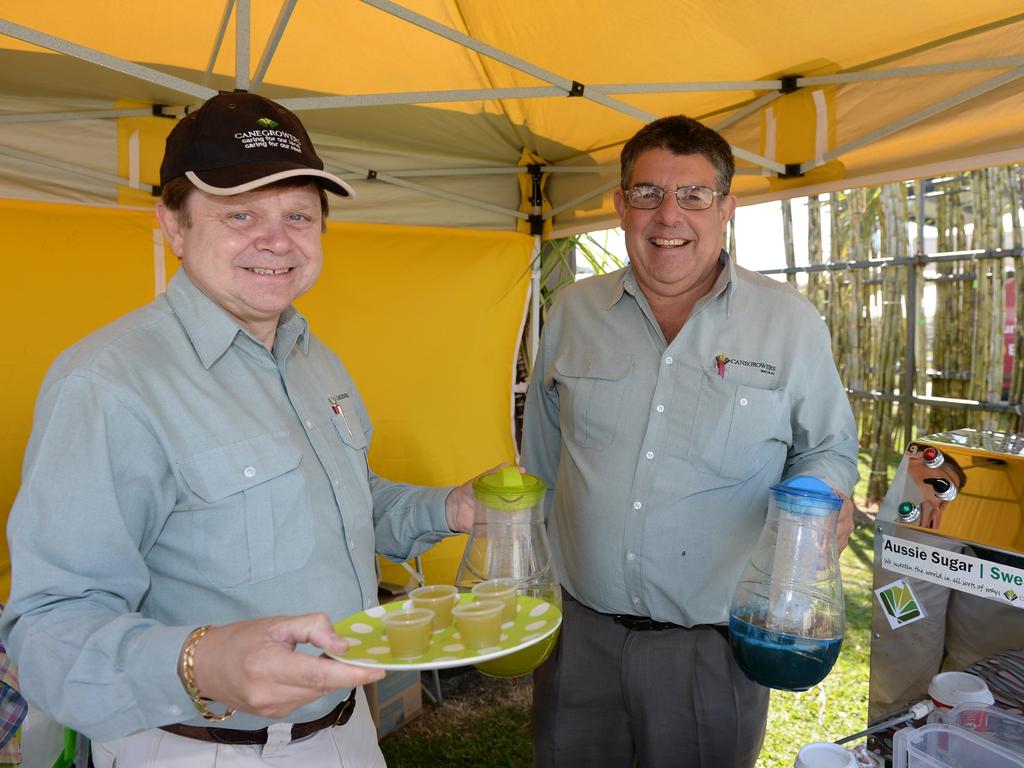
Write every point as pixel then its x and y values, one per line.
pixel 786 622
pixel 509 541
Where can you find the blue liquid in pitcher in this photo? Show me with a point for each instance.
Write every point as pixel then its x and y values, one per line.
pixel 780 660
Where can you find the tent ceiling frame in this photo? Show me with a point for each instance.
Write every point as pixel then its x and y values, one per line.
pixel 937 43
pixel 593 93
pixel 419 97
pixel 568 204
pixel 923 114
pixel 243 37
pixel 91 114
pixel 283 16
pixel 139 72
pixel 71 168
pixel 388 178
pixel 944 68
pixel 218 40
pixel 558 86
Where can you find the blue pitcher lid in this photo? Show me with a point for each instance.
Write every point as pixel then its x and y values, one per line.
pixel 806 495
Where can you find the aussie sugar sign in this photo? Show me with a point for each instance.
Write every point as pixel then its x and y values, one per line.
pixel 956 570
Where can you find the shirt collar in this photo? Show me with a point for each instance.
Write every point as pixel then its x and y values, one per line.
pixel 726 282
pixel 212 330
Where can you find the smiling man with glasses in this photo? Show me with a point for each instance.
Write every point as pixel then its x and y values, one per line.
pixel 666 399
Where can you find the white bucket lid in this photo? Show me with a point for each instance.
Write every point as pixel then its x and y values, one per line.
pixel 952 688
pixel 824 754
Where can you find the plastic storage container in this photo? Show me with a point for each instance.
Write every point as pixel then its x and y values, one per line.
pixel 992 723
pixel 948 746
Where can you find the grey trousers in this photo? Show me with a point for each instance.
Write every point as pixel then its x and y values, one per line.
pixel 609 696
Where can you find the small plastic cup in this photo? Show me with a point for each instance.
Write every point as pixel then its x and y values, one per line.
pixel 439 598
pixel 479 623
pixel 950 689
pixel 825 754
pixel 408 632
pixel 502 590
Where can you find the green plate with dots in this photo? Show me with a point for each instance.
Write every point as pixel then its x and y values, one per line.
pixel 368 645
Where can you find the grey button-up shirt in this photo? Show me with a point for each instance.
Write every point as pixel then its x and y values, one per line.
pixel 659 455
pixel 180 474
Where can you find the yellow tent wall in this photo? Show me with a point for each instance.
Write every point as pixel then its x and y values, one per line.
pixel 427 321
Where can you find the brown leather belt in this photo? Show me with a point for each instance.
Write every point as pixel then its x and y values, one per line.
pixel 337 716
pixel 642 623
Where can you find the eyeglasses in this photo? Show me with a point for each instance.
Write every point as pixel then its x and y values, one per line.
pixel 692 197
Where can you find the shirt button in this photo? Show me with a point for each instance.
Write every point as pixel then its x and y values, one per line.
pixel 630 556
pixel 743 401
pixel 649 454
pixel 174 709
pixel 636 600
pixel 668 361
pixel 249 471
pixel 351 544
pixel 637 505
pixel 335 482
pixel 660 408
pixel 309 424
pixel 369 603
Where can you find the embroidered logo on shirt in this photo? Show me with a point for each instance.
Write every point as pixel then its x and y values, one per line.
pixel 722 360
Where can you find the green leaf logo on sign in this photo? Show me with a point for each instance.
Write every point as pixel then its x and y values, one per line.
pixel 899 603
pixel 266 122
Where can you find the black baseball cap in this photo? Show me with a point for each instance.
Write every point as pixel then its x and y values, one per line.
pixel 237 142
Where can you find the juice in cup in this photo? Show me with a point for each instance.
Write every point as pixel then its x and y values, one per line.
pixel 502 590
pixel 479 623
pixel 439 598
pixel 408 632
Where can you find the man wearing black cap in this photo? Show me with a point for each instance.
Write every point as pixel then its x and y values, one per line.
pixel 200 465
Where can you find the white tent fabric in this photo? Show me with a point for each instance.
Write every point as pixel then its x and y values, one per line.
pixel 433 108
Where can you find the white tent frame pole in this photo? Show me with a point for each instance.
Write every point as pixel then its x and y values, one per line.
pixel 916 117
pixel 691 87
pixel 749 109
pixel 56 117
pixel 419 97
pixel 394 180
pixel 946 68
pixel 593 93
pixel 283 17
pixel 242 39
pixel 43 40
pixel 938 43
pixel 511 170
pixel 534 301
pixel 582 198
pixel 69 168
pixel 218 41
pixel 515 62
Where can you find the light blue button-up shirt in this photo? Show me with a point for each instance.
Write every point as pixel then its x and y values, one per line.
pixel 658 455
pixel 180 474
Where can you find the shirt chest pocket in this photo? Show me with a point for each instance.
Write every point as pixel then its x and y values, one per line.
pixel 350 429
pixel 592 384
pixel 738 428
pixel 250 517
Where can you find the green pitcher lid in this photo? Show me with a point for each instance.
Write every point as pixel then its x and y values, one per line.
pixel 509 489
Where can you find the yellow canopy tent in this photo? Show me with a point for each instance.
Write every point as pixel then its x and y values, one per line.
pixel 470 130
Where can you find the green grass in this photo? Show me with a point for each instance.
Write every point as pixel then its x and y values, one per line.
pixel 487 724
